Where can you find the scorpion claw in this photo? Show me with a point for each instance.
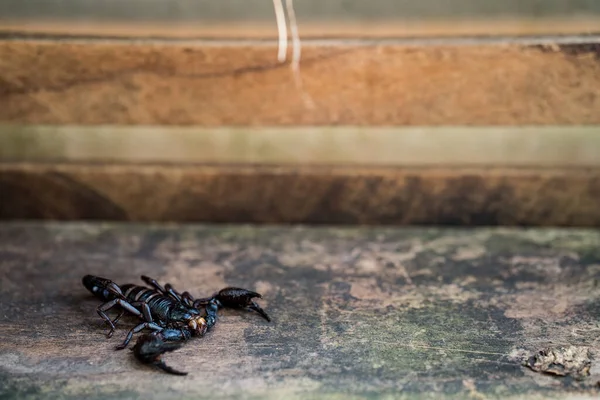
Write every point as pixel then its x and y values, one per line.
pixel 240 298
pixel 149 348
pixel 259 310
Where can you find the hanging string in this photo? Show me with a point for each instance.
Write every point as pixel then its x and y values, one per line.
pixel 281 30
pixel 296 44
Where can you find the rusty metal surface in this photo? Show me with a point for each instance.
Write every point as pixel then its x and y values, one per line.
pixel 98 82
pixel 310 195
pixel 357 313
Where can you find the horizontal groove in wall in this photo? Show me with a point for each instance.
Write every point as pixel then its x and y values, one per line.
pixel 316 18
pixel 310 195
pixel 566 146
pixel 244 29
pixel 262 10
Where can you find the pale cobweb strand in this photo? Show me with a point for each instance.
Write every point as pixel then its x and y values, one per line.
pixel 296 55
pixel 296 44
pixel 281 29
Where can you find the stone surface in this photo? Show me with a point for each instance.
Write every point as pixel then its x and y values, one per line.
pixel 357 313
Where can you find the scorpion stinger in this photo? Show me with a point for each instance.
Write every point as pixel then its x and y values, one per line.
pixel 149 348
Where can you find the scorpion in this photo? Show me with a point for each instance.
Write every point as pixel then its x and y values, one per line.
pixel 172 317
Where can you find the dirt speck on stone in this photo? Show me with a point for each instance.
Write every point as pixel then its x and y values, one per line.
pixel 574 361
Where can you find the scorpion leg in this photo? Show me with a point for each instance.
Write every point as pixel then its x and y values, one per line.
pixel 145 310
pixel 187 299
pixel 103 308
pixel 106 290
pixel 147 315
pixel 114 289
pixel 154 284
pixel 211 313
pixel 203 301
pixel 139 328
pixel 167 290
pixel 118 317
pixel 173 293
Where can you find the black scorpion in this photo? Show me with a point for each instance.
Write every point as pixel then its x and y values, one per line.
pixel 172 317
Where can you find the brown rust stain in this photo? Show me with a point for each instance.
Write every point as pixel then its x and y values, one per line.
pixel 577 50
pixel 61 82
pixel 53 196
pixel 276 194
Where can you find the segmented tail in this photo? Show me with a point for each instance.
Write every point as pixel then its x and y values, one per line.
pixel 98 287
pixel 160 364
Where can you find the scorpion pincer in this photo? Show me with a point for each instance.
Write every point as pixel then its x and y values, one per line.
pixel 172 317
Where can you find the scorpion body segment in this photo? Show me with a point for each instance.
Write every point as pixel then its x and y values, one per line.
pixel 156 307
pixel 172 317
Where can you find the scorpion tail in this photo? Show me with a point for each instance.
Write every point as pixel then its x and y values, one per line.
pixel 96 285
pixel 149 348
pixel 160 364
pixel 90 282
pixel 102 288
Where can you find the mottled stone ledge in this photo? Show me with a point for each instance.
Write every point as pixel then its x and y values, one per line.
pixel 357 313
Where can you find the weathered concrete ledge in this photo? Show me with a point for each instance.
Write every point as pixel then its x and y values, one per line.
pixel 357 313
